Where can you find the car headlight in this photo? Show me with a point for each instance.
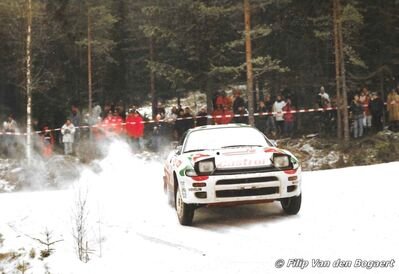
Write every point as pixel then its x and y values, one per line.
pixel 281 161
pixel 206 166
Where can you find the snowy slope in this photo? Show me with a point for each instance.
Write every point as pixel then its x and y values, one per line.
pixel 347 213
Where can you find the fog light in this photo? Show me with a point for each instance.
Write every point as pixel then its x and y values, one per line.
pixel 292 178
pixel 200 184
pixel 201 195
pixel 291 188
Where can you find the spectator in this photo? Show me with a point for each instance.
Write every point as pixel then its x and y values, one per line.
pixel 174 112
pixel 221 99
pixel 376 107
pixel 288 119
pixel 117 122
pixel 227 116
pixel 202 117
pixel 106 126
pixel 10 126
pixel 365 100
pixel 180 124
pixel 48 142
pixel 157 133
pixel 135 129
pixel 68 131
pixel 160 110
pixel 393 109
pixel 171 120
pixel 356 109
pixel 238 107
pixel 262 118
pixel 278 114
pixel 324 98
pixel 270 122
pixel 217 115
pixel 75 120
pixel 188 119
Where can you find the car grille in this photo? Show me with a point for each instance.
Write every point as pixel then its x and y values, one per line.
pixel 246 192
pixel 247 180
pixel 244 170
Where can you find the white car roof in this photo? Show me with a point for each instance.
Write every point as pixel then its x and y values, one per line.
pixel 219 126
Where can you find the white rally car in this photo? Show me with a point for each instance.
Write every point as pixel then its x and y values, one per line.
pixel 228 165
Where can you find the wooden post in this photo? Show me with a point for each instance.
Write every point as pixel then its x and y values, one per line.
pixel 345 115
pixel 337 71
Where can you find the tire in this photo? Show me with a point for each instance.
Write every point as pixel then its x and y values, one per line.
pixel 185 212
pixel 169 195
pixel 292 205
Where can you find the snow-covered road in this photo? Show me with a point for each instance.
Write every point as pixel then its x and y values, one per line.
pixel 346 214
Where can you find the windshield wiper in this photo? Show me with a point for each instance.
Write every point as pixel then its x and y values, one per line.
pixel 242 146
pixel 194 150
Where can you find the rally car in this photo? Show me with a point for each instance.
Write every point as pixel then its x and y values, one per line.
pixel 226 165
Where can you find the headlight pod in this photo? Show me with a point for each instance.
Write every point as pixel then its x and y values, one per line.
pixel 205 167
pixel 281 161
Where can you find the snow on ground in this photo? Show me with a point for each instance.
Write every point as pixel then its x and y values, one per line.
pixel 346 214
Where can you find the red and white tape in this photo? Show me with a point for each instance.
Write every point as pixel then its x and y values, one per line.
pixel 170 120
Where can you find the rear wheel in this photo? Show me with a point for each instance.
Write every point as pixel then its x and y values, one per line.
pixel 185 212
pixel 292 205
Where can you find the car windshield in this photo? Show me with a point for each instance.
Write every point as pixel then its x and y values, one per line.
pixel 216 138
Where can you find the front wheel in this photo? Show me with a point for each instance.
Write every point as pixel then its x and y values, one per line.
pixel 292 205
pixel 185 212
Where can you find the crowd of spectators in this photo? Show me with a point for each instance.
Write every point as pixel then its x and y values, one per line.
pixel 276 117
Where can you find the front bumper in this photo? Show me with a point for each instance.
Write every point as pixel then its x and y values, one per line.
pixel 237 188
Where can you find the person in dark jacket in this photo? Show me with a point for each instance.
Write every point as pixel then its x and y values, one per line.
pixel 270 122
pixel 157 133
pixel 180 124
pixel 239 107
pixel 188 119
pixel 357 116
pixel 262 118
pixel 376 107
pixel 201 118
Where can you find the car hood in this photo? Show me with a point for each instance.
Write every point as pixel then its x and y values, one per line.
pixel 240 157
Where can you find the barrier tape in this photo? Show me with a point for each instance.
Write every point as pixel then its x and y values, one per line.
pixel 169 120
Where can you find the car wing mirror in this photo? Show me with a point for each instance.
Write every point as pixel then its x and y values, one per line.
pixel 178 150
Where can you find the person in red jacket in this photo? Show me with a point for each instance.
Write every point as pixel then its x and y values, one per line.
pixel 48 142
pixel 112 124
pixel 117 123
pixel 106 126
pixel 288 118
pixel 135 129
pixel 227 117
pixel 217 115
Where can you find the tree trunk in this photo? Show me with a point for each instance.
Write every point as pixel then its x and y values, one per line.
pixel 248 54
pixel 29 83
pixel 345 116
pixel 152 79
pixel 89 67
pixel 337 71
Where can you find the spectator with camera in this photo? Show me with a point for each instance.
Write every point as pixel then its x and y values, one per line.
pixel 68 131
